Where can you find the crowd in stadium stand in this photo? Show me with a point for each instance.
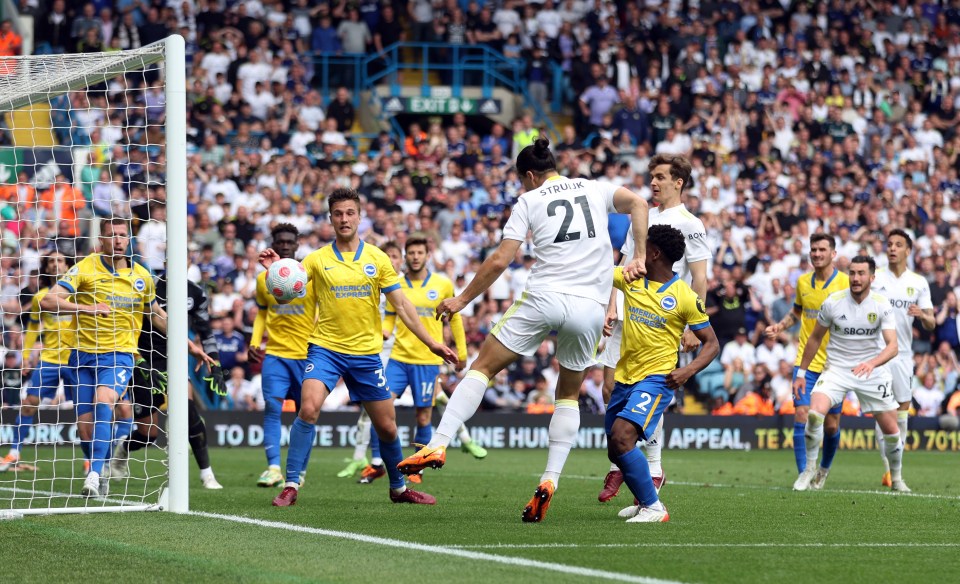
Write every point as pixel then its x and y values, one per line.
pixel 797 116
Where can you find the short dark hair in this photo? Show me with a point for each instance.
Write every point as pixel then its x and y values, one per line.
pixel 390 245
pixel 901 233
pixel 416 241
pixel 284 228
pixel 864 259
pixel 669 240
pixel 343 194
pixel 113 221
pixel 823 237
pixel 680 167
pixel 536 158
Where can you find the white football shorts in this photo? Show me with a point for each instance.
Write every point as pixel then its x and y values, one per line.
pixel 577 320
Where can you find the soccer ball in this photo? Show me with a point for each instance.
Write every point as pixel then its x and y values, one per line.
pixel 287 280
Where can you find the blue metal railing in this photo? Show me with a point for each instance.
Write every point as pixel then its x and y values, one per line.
pixel 459 66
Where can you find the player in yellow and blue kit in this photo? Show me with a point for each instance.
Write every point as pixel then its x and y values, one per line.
pixel 57 362
pixel 285 357
pixel 348 277
pixel 812 289
pixel 656 310
pixel 411 364
pixel 111 294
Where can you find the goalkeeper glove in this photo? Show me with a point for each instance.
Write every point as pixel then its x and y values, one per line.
pixel 215 380
pixel 156 379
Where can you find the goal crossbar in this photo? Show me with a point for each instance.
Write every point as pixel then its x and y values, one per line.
pixel 31 80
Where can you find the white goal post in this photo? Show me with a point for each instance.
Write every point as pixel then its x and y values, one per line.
pixel 47 82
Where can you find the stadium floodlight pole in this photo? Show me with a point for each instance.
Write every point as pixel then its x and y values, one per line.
pixel 177 390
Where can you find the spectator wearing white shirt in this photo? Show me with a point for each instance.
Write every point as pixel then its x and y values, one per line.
pixel 739 348
pixel 311 114
pixel 770 353
pixel 929 395
pixel 152 238
pixel 246 395
pixel 251 72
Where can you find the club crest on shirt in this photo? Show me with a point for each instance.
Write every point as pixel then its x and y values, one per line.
pixel 668 303
pixel 189 303
pixel 910 291
pixel 432 294
pixel 872 317
pixel 370 270
pixel 139 284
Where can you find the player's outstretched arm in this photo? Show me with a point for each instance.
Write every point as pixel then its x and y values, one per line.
pixel 408 314
pixel 488 273
pixel 709 351
pixel 629 202
pixel 58 300
pixel 267 257
pixel 788 321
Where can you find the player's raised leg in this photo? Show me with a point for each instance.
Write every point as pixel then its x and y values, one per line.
pixel 464 402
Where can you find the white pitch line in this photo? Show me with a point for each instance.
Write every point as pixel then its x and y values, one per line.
pixel 709 485
pixel 706 545
pixel 440 550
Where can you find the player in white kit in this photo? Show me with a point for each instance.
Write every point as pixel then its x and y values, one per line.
pixel 567 292
pixel 857 319
pixel 909 294
pixel 668 177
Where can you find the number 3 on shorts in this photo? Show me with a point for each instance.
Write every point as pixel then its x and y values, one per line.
pixel 381 380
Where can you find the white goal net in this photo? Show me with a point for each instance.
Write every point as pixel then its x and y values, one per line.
pixel 92 150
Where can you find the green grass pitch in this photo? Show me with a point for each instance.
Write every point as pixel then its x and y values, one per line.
pixel 733 519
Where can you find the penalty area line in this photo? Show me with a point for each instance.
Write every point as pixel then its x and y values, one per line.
pixel 439 550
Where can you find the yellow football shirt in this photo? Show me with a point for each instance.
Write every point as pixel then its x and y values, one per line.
pixel 810 296
pixel 655 315
pixel 287 325
pixel 58 332
pixel 128 292
pixel 348 289
pixel 425 295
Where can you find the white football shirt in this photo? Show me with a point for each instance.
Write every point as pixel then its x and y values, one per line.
pixel 568 219
pixel 855 328
pixel 697 249
pixel 910 288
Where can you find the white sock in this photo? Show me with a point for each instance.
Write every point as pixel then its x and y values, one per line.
pixel 882 448
pixel 363 436
pixel 294 485
pixel 206 473
pixel 275 467
pixel 376 461
pixel 464 435
pixel 441 400
pixel 564 426
pixel 902 418
pixel 614 467
pixel 654 450
pixel 463 404
pixel 813 436
pixel 894 447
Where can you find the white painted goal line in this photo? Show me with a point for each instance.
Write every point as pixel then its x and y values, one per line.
pixel 709 485
pixel 440 550
pixel 704 545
